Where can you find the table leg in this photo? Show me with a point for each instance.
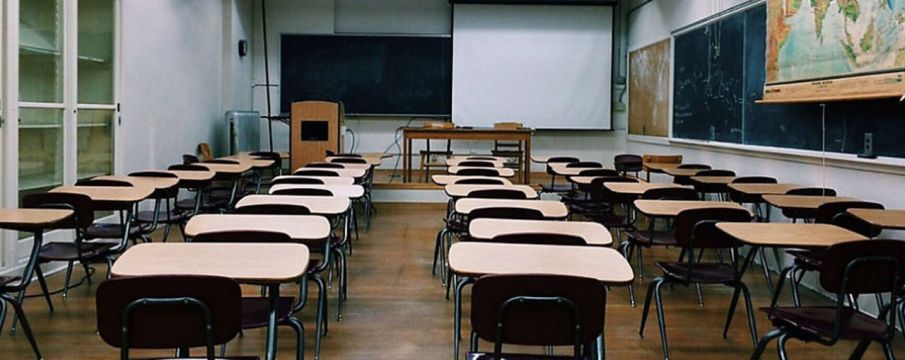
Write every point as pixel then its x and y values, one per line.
pixel 405 159
pixel 527 161
pixel 274 292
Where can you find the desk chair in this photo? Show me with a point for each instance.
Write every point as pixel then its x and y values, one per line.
pixel 804 214
pixel 553 188
pixel 315 172
pixel 434 158
pixel 199 202
pixel 325 166
pixel 742 198
pixel 658 159
pixel 479 181
pixel 275 170
pixel 479 172
pixel 148 220
pixel 696 230
pixel 300 180
pixel 196 311
pixel 628 163
pixel 536 310
pixel 684 180
pixel 114 230
pixel 540 239
pixel 367 183
pixel 477 163
pixel 226 188
pixel 858 267
pixel 256 310
pixel 719 189
pixel 510 149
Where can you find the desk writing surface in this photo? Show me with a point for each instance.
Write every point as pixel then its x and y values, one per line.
pixel 320 205
pixel 540 159
pixel 452 179
pixel 190 175
pixel 146 181
pixel 674 171
pixel 476 259
pixel 713 180
pixel 116 194
pixel 32 219
pixel 371 160
pixel 660 167
pixel 298 227
pixel 802 201
pixel 637 188
pixel 592 233
pixel 355 173
pixel 763 189
pixel 458 191
pixel 456 161
pixel 672 208
pixel 239 168
pixel 283 154
pixel 338 180
pixel 884 218
pixel 550 208
pixel 252 161
pixel 350 191
pixel 564 170
pixel 480 158
pixel 364 167
pixel 799 235
pixel 242 262
pixel 505 172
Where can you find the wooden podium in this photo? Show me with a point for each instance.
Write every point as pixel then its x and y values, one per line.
pixel 315 128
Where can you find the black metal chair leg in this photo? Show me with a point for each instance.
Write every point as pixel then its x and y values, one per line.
pixel 661 319
pixel 731 314
pixel 87 272
pixel 299 337
pixel 646 308
pixel 43 283
pixel 2 314
pixel 68 278
pixel 17 307
pixel 887 350
pixel 781 346
pixel 764 341
pixel 320 314
pixel 749 307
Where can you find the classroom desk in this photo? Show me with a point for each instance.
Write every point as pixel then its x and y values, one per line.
pixel 677 172
pixel 283 154
pixel 460 191
pixel 562 169
pixel 503 172
pixel 452 179
pixel 35 221
pixel 592 232
pixel 882 218
pixel 636 189
pixel 364 167
pixel 470 260
pixel 502 159
pixel 353 192
pixel 113 197
pixel 455 162
pixel 372 160
pixel 672 208
pixel 228 169
pixel 657 168
pixel 319 205
pixel 255 162
pixel 188 176
pixel 759 190
pixel 802 202
pixel 541 159
pixel 261 264
pixel 301 228
pixel 488 134
pixel 354 173
pixel 158 183
pixel 337 180
pixel 712 180
pixel 551 209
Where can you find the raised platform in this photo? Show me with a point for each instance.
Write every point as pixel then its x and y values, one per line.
pixel 384 179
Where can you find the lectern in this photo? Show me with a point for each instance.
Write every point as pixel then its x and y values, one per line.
pixel 315 128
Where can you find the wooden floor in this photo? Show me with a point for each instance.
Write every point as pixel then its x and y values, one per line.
pixel 396 310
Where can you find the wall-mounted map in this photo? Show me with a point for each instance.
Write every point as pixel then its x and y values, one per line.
pixel 814 45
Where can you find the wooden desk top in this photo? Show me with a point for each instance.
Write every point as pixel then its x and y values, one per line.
pixel 672 208
pixel 283 154
pixel 228 168
pixel 887 219
pixel 675 171
pixel 364 167
pixel 475 259
pixel 763 189
pixel 461 191
pixel 540 159
pixel 321 205
pixel 242 262
pixel 146 181
pixel 713 180
pixel 550 208
pixel 427 130
pixel 114 194
pixel 592 233
pixel 253 161
pixel 371 160
pixel 504 172
pixel 338 180
pixel 31 219
pixel 349 191
pixel 789 235
pixel 637 188
pixel 660 167
pixel 456 161
pixel 451 179
pixel 480 158
pixel 298 227
pixel 561 169
pixel 354 173
pixel 185 175
pixel 802 201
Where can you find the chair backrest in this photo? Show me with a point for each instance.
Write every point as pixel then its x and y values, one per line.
pixel 348 160
pixel 661 159
pixel 131 312
pixel 304 192
pixel 584 164
pixel 812 191
pixel 242 237
pixel 864 267
pixel 484 158
pixel 187 167
pixel 273 209
pixel 189 159
pixel 325 166
pixel 80 204
pixel 754 180
pixel 221 161
pixel 315 172
pixel 160 193
pixel 562 159
pixel 598 172
pixel 672 193
pixel 479 181
pixel 103 182
pixel 540 239
pixel 275 157
pixel 295 180
pixel 628 163
pixel 477 163
pixel 498 194
pixel 531 309
pixel 345 155
pixel 716 173
pixel 696 228
pixel 516 213
pixel 694 166
pixel 478 172
pixel 835 213
pixel 600 193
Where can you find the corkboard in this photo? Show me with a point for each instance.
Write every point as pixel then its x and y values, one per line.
pixel 648 92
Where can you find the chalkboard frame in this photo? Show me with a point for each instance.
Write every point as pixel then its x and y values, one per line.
pixel 442 115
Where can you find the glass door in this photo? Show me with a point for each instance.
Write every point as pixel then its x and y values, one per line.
pixel 96 88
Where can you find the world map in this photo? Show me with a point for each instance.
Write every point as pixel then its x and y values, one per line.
pixel 818 39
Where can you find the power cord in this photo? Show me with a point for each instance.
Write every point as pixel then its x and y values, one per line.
pixel 81 282
pixel 398 137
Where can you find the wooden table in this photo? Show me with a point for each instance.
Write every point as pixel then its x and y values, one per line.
pixel 802 202
pixel 763 189
pixel 488 134
pixel 35 221
pixel 549 208
pixel 321 205
pixel 882 218
pixel 452 179
pixel 672 208
pixel 636 189
pixel 354 173
pixel 455 162
pixel 337 180
pixel 592 232
pixel 264 264
pixel 470 260
pixel 504 172
pixel 113 198
pixel 349 191
pixel 459 191
pixel 788 235
pixel 298 227
pixel 159 183
pixel 677 172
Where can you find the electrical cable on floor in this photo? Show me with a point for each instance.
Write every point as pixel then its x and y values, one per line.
pixel 398 137
pixel 91 271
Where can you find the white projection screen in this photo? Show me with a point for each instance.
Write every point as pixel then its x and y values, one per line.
pixel 546 66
